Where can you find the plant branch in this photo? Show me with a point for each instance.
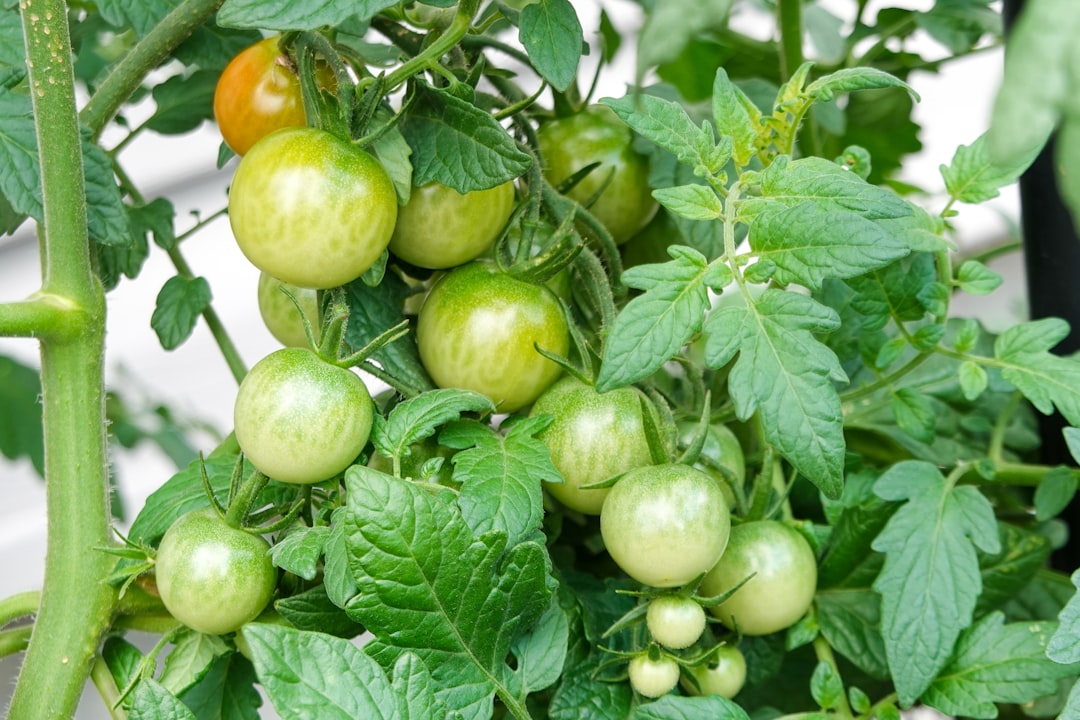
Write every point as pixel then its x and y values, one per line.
pixel 789 18
pixel 18 606
pixel 42 316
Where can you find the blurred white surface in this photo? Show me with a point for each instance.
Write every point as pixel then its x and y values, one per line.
pixel 195 381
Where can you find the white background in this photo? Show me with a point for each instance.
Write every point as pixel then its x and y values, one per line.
pixel 194 380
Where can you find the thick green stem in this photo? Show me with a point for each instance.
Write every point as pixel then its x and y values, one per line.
pixel 789 17
pixel 150 52
pixel 76 606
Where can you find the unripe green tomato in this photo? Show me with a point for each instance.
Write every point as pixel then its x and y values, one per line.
pixel 597 135
pixel 213 577
pixel 674 621
pixel 592 436
pixel 440 228
pixel 723 675
pixel 653 678
pixel 665 525
pixel 280 314
pixel 721 449
pixel 299 419
pixel 783 584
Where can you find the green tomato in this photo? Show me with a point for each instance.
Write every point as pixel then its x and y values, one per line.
pixel 724 674
pixel 653 678
pixel 212 577
pixel 675 621
pixel 440 228
pixel 665 525
pixel 311 209
pixel 477 330
pixel 299 419
pixel 597 135
pixel 784 581
pixel 592 437
pixel 280 314
pixel 721 451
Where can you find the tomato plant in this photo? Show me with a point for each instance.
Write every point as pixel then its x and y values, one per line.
pixel 592 437
pixel 213 577
pixel 310 209
pixel 478 329
pixel 283 316
pixel 783 578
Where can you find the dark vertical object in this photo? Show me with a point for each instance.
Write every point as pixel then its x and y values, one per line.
pixel 1052 263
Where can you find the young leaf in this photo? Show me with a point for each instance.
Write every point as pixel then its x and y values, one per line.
pixel 1064 646
pixel 500 476
pixel 300 550
pixel 1055 491
pixel 551 34
pixel 313 610
pixel 733 119
pixel 667 124
pixel 695 202
pixel 973 380
pixel 784 373
pixel 826 686
pixel 914 414
pixel 458 144
pixel 428 585
pixel 654 326
pixel 1047 380
pixel 417 418
pixel 930 580
pixel 973 176
pixel 151 701
pixel 847 80
pixel 308 674
pixel 190 660
pixel 996 663
pixel 976 279
pixel 179 304
pixel 20 423
pixel 291 15
pixel 539 654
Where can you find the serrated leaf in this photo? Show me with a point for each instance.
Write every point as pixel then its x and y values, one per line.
pixel 850 619
pixel 419 417
pixel 786 375
pixel 995 663
pixel 179 304
pixel 20 423
pixel 973 379
pixel 1006 572
pixel 458 144
pixel 809 243
pixel 848 80
pixel 308 674
pixel 667 124
pixel 154 219
pixel 300 550
pixel 551 34
pixel 695 202
pixel 226 692
pixel 183 102
pixel 539 654
pixel 976 279
pixel 291 15
pixel 313 610
pixel 151 701
pixel 190 660
pixel 732 118
pixel 1046 380
pixel 106 216
pixel 974 177
pixel 1055 491
pixel 501 475
pixel 428 585
pixel 1064 646
pixel 914 414
pixel 930 581
pixel 674 707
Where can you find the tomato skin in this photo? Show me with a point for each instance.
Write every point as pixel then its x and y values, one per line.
pixel 440 228
pixel 782 588
pixel 281 316
pixel 723 675
pixel 212 577
pixel 721 451
pixel 675 622
pixel 311 209
pixel 665 525
pixel 653 678
pixel 592 437
pixel 596 134
pixel 477 330
pixel 299 419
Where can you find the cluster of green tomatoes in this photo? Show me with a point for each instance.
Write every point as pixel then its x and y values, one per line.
pixel 314 212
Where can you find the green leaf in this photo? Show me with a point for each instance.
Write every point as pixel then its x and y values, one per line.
pixel 786 375
pixel 1071 711
pixel 892 292
pixel 183 102
pixel 930 581
pixel 106 216
pixel 226 692
pixel 190 660
pixel 667 124
pixel 826 686
pixel 732 115
pixel 416 690
pixel 655 325
pixel 1006 572
pixel 696 202
pixel 154 219
pixel 848 561
pixel 428 585
pixel 419 417
pixel 1072 441
pixel 914 414
pixel 179 304
pixel 338 580
pixel 539 654
pixel 672 24
pixel 1055 491
pixel 976 279
pixel 458 144
pixel 996 663
pixel 1046 380
pixel 500 476
pixel 395 156
pixel 848 80
pixel 292 15
pixel 809 243
pixel 850 619
pixel 151 701
pixel 973 379
pixel 974 177
pixel 551 34
pixel 20 423
pixel 299 551
pixel 122 659
pixel 673 707
pixel 1064 646
pixel 308 674
pixel 12 51
pixel 313 610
